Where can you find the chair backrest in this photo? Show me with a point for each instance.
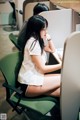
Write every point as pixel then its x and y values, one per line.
pixel 60 24
pixel 70 78
pixel 14 40
pixel 9 66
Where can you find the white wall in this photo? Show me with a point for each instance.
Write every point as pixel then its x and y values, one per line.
pixel 61 24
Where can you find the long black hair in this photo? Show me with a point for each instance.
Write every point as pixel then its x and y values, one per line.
pixel 34 25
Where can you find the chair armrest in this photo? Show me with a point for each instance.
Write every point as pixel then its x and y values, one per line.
pixel 17 90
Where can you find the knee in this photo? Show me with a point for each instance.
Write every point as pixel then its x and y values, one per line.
pixel 57 92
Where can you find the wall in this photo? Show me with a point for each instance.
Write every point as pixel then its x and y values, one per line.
pixel 60 24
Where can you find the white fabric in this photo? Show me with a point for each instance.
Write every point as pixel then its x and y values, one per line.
pixel 29 74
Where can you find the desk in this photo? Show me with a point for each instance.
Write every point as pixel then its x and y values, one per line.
pixel 52 59
pixel 73 4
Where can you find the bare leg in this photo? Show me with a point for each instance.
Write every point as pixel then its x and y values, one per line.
pixel 51 87
pixel 56 93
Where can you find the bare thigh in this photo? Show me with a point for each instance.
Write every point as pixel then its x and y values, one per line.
pixel 51 86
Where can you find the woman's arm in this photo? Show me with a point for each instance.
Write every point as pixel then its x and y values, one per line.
pixel 57 57
pixel 37 60
pixel 49 47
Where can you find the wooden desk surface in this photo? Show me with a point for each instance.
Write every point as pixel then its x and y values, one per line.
pixel 73 4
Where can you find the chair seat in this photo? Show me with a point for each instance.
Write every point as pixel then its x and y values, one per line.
pixel 37 103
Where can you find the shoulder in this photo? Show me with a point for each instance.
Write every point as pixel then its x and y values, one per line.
pixel 32 42
pixel 33 46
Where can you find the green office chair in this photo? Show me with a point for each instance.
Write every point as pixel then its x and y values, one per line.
pixel 35 108
pixel 14 40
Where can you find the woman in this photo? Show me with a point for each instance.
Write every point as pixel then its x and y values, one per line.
pixel 32 75
pixel 38 8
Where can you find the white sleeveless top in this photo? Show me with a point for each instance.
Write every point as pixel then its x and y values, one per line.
pixel 28 73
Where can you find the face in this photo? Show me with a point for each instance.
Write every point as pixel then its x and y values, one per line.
pixel 43 33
